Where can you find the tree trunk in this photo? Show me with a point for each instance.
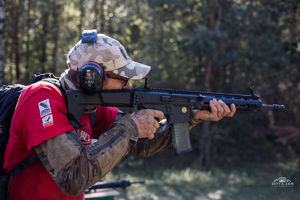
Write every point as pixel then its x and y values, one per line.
pixel 206 134
pixel 109 27
pixel 82 17
pixel 55 31
pixel 11 68
pixel 45 18
pixel 96 10
pixel 293 24
pixel 2 44
pixel 151 34
pixel 16 39
pixel 27 75
pixel 102 19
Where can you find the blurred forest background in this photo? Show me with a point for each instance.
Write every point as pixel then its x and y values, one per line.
pixel 208 45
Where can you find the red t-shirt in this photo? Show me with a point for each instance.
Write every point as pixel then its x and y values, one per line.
pixel 41 114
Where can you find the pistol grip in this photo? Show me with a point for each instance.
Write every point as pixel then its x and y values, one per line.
pixel 181 137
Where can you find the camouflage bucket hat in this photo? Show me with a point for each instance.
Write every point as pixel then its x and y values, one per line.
pixel 110 53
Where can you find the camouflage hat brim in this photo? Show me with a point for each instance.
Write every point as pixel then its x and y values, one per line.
pixel 133 70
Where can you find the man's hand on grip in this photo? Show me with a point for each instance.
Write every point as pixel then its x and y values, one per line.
pixel 146 122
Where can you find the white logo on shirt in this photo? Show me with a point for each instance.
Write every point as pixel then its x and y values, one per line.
pixel 47 121
pixel 84 137
pixel 45 108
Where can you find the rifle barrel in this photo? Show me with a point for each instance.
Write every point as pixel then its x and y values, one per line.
pixel 123 184
pixel 274 106
pixel 134 182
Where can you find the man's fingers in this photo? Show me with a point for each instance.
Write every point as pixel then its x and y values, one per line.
pixel 232 111
pixel 213 107
pixel 220 110
pixel 156 124
pixel 225 107
pixel 158 114
pixel 151 135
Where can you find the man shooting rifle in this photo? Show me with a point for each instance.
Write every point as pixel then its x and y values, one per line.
pixel 68 163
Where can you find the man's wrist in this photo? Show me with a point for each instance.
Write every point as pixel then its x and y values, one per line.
pixel 134 135
pixel 193 121
pixel 131 127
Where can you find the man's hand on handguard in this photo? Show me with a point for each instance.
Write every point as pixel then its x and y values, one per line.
pixel 146 122
pixel 218 110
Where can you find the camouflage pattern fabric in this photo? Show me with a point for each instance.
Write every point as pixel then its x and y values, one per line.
pixel 146 147
pixel 108 52
pixel 75 167
pixel 193 121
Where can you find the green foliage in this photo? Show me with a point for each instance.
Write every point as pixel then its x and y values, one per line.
pixel 236 181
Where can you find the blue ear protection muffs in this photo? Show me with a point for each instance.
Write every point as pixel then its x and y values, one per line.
pixel 91 77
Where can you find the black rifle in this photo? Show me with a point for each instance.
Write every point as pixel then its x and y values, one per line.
pixel 175 104
pixel 123 184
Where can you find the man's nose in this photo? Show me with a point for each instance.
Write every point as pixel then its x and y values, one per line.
pixel 126 86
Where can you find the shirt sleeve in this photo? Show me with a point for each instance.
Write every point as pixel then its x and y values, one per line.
pixel 41 114
pixel 105 117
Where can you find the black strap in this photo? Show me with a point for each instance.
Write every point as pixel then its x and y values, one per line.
pixel 93 118
pixel 55 82
pixel 76 138
pixel 23 165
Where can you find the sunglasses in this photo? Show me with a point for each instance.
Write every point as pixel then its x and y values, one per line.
pixel 118 77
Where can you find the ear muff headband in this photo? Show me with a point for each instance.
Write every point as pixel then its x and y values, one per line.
pixel 91 78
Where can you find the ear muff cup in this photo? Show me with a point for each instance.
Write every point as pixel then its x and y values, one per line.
pixel 91 78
